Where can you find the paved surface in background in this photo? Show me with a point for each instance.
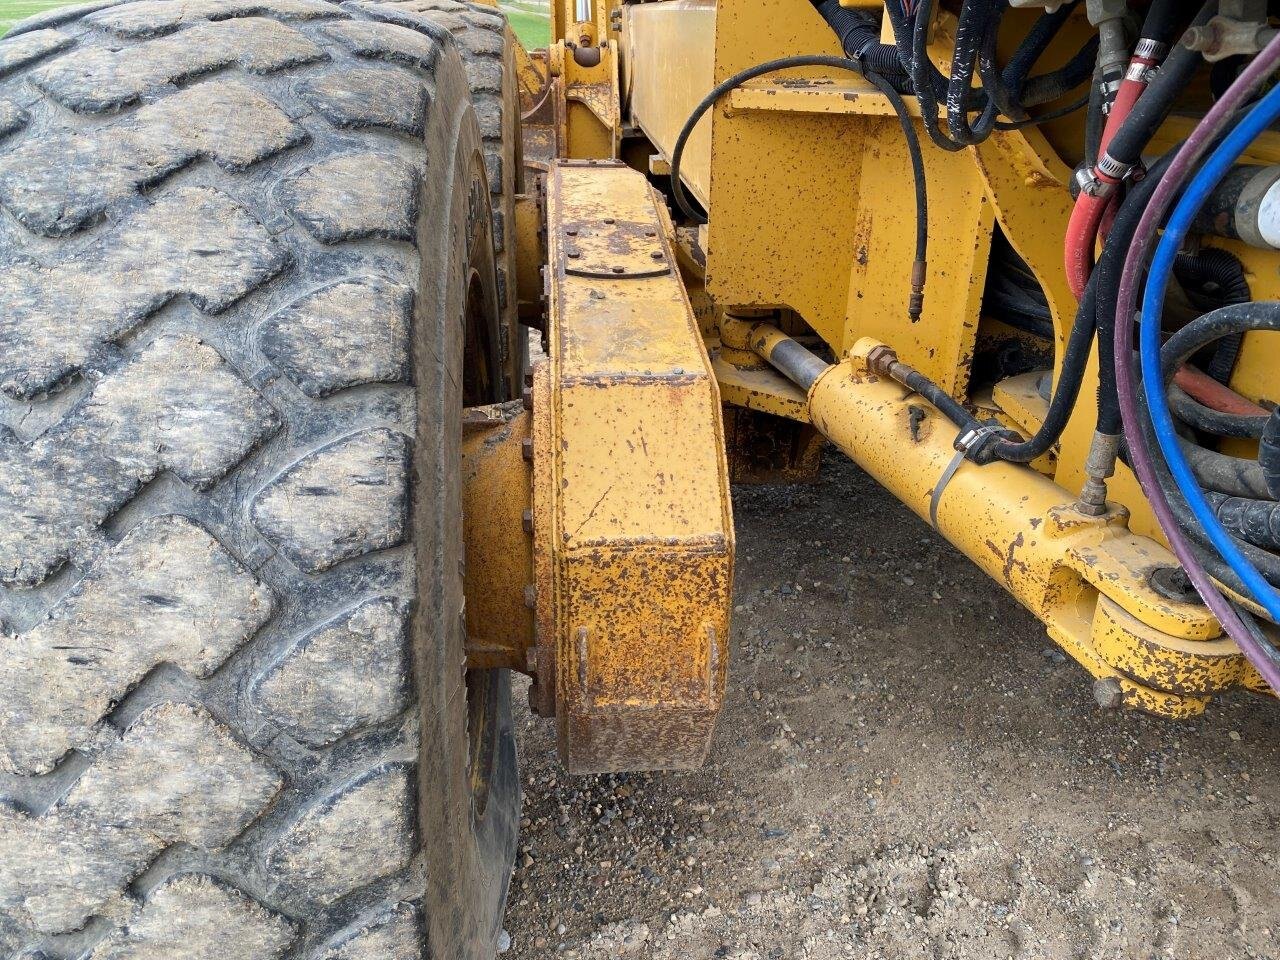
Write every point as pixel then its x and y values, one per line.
pixel 905 768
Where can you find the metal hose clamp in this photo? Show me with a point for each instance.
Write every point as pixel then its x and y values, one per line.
pixel 963 444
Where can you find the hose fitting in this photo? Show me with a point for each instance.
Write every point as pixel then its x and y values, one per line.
pixel 915 304
pixel 1099 467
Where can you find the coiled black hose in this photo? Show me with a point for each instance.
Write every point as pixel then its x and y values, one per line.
pixel 1232 320
pixel 1199 417
pixel 915 301
pixel 1215 278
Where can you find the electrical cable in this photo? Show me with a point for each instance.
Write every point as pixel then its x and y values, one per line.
pixel 915 302
pixel 1197 192
pixel 1237 623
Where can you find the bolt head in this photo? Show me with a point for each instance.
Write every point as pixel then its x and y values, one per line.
pixel 1108 693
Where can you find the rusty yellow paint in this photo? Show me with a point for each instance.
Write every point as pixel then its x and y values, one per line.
pixel 825 156
pixel 810 216
pixel 763 390
pixel 589 99
pixel 1169 664
pixel 631 511
pixel 496 495
pixel 1071 570
pixel 530 252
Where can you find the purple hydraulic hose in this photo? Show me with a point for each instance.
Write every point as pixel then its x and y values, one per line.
pixel 1197 144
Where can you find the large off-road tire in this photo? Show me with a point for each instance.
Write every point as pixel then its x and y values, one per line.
pixel 487 46
pixel 247 283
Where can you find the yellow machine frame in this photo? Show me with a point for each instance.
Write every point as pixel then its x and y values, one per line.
pixel 809 236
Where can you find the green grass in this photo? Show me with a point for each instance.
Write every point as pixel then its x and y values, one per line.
pixel 530 20
pixel 11 11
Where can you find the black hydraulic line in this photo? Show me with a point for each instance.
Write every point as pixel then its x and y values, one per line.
pixel 1046 87
pixel 1162 21
pixel 1223 325
pixel 1055 114
pixel 1066 391
pixel 1223 322
pixel 1269 455
pixel 1208 420
pixel 859 36
pixel 1009 95
pixel 1108 272
pixel 916 297
pixel 1226 474
pixel 932 87
pixel 995 446
pixel 1169 83
pixel 1254 521
pixel 1095 121
pixel 917 382
pixel 975 40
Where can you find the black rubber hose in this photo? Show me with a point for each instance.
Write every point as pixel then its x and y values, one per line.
pixel 1067 390
pixel 950 407
pixel 1267 563
pixel 1223 322
pixel 859 36
pixel 1208 420
pixel 1055 114
pixel 1046 87
pixel 1224 325
pixel 1269 455
pixel 1254 521
pixel 975 40
pixel 931 86
pixel 1009 94
pixel 1108 272
pixel 1170 82
pixel 999 446
pixel 1162 21
pixel 919 183
pixel 1095 121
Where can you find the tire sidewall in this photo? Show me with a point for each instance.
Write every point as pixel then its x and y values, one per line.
pixel 468 857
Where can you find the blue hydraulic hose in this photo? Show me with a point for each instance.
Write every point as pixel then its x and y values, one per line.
pixel 1197 192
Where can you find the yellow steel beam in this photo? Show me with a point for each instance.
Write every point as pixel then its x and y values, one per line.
pixel 1087 578
pixel 632 529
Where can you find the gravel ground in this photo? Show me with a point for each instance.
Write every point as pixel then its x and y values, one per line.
pixel 905 768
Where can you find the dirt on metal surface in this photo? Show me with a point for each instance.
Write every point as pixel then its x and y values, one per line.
pixel 905 767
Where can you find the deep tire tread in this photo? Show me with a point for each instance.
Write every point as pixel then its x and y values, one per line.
pixel 273 516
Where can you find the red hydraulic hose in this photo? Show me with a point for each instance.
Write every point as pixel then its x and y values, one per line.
pixel 1216 396
pixel 1099 192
